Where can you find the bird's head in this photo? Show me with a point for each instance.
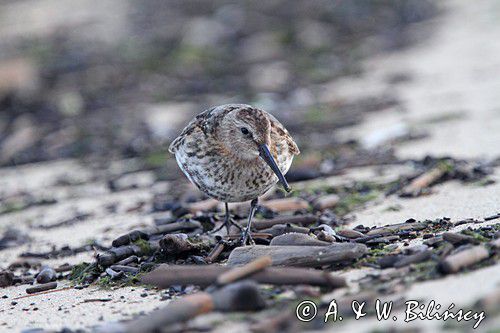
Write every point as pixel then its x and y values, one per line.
pixel 246 132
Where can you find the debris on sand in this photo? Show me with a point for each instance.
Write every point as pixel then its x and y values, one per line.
pixel 299 256
pixel 41 287
pixel 165 276
pixel 463 259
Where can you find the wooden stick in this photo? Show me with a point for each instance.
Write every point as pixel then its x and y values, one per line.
pixel 216 252
pixel 253 234
pixel 203 276
pixel 130 238
pixel 391 229
pixel 41 287
pixel 421 182
pixel 173 227
pixel 465 258
pixel 239 273
pixel 298 219
pixel 281 229
pixel 44 292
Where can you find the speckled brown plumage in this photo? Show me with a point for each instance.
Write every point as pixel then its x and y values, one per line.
pixel 235 153
pixel 223 162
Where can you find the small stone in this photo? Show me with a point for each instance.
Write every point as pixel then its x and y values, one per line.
pixel 46 275
pixel 299 256
pixel 6 279
pixel 388 261
pixel 297 239
pixel 348 233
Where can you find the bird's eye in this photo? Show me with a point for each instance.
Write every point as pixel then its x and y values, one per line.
pixel 245 130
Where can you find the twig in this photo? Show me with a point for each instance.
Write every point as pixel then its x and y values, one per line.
pixel 281 229
pixel 240 273
pixel 493 217
pixel 392 229
pixel 216 252
pixel 43 292
pixel 41 287
pixel 166 276
pixel 423 181
pixel 299 220
pixel 94 300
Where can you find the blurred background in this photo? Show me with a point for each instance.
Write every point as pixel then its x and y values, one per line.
pixel 117 78
pixel 377 93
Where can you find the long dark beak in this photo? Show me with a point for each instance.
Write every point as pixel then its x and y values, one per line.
pixel 266 156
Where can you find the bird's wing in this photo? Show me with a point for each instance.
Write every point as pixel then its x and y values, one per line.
pixel 205 123
pixel 280 131
pixel 194 125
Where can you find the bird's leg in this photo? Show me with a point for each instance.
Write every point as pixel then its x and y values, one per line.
pixel 227 221
pixel 246 233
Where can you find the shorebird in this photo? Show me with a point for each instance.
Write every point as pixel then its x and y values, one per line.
pixel 235 153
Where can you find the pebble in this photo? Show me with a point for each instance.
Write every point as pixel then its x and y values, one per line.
pixel 46 275
pixel 349 233
pixel 303 256
pixel 297 239
pixel 6 279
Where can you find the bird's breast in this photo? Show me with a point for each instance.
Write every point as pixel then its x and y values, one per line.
pixel 229 179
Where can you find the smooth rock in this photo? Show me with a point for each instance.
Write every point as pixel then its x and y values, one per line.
pixel 299 256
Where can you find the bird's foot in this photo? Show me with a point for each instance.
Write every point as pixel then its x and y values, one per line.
pixel 246 238
pixel 227 223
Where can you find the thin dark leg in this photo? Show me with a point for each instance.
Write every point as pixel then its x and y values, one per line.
pixel 227 218
pixel 246 233
pixel 227 221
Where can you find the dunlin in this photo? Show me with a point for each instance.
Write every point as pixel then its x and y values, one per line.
pixel 235 153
